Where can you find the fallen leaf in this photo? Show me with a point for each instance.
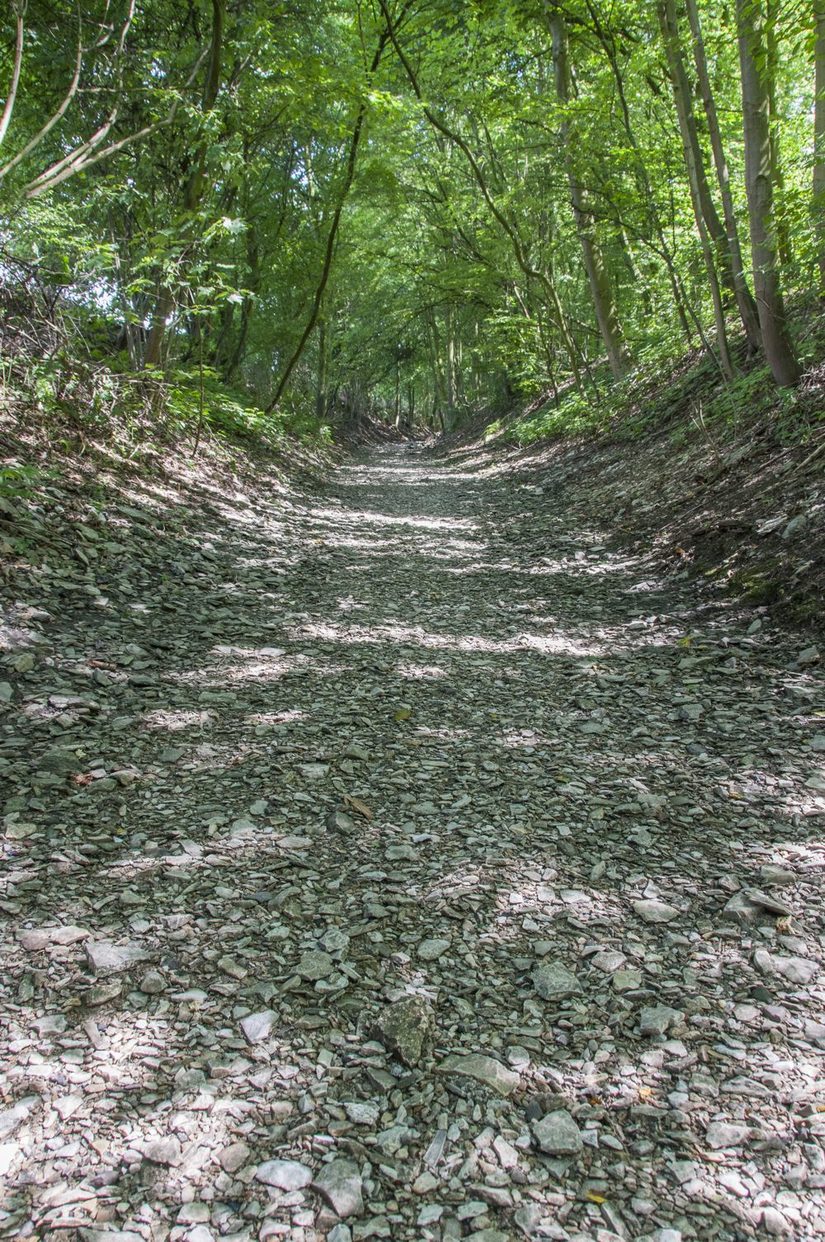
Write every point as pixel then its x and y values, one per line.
pixel 359 806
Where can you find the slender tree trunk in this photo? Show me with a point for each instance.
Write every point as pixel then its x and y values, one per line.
pixel 744 299
pixel 193 188
pixel 783 236
pixel 332 236
pixel 321 373
pixel 694 157
pixel 750 21
pixel 601 289
pixel 642 178
pixel 819 140
pixel 18 9
pixel 699 191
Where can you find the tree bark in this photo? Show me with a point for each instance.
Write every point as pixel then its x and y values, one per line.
pixel 11 95
pixel 744 299
pixel 693 154
pixel 750 21
pixel 601 290
pixel 699 191
pixel 642 177
pixel 193 189
pixel 819 140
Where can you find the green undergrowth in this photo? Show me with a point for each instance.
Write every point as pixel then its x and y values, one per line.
pixel 74 402
pixel 688 396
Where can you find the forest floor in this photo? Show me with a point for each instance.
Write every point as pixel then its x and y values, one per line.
pixel 402 857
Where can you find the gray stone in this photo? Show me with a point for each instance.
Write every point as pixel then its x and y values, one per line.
pixel 799 970
pixel 609 960
pixel 406 1027
pixel 107 958
pixel 234 1157
pixel 482 1068
pixel 750 904
pixel 339 1183
pixel 557 1134
pixel 362 1112
pixel 553 981
pixel 654 911
pixel 163 1151
pixel 432 950
pixel 657 1019
pixel 258 1026
pixel 284 1175
pixel 152 983
pixel 44 937
pixel 627 980
pixel 314 965
pixel 721 1134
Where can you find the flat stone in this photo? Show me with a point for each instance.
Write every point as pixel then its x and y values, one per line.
pixel 609 960
pixel 107 958
pixel 483 1069
pixel 163 1151
pixel 258 1026
pixel 799 970
pixel 152 983
pixel 721 1134
pixel 657 1019
pixel 43 937
pixel 654 911
pixel 627 980
pixel 284 1175
pixel 553 981
pixel 234 1157
pixel 362 1112
pixel 314 965
pixel 339 1184
pixel 432 950
pixel 557 1134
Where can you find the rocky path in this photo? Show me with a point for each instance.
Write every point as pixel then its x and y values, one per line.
pixel 403 862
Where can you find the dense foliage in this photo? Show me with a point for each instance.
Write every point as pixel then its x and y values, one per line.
pixel 413 206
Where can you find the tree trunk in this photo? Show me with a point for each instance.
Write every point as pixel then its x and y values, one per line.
pixel 691 146
pixel 699 191
pixel 783 236
pixel 750 21
pixel 321 373
pixel 601 290
pixel 193 187
pixel 642 178
pixel 744 299
pixel 819 141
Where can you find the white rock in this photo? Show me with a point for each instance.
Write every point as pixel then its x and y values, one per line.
pixel 284 1174
pixel 258 1026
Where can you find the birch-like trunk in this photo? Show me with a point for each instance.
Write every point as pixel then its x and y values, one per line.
pixel 744 299
pixel 601 290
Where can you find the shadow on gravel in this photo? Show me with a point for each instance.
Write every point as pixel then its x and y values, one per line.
pixel 300 762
